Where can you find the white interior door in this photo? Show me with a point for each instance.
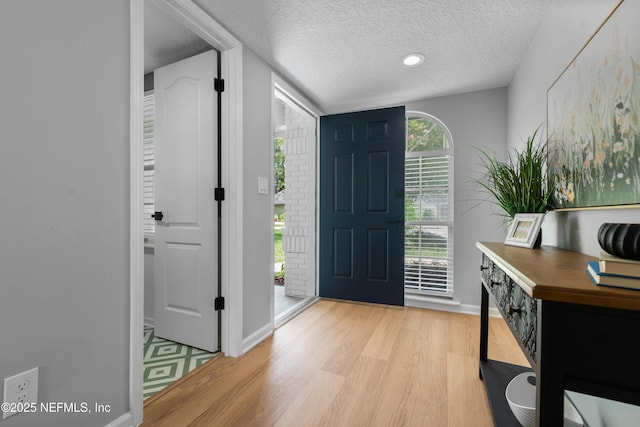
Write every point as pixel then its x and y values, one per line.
pixel 185 250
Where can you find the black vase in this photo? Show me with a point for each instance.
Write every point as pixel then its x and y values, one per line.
pixel 621 240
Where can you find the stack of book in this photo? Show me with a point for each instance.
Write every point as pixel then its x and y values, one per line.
pixel 611 270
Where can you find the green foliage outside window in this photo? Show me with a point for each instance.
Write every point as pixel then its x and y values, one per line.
pixel 425 135
pixel 278 156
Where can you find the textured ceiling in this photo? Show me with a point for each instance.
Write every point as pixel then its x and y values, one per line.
pixel 348 54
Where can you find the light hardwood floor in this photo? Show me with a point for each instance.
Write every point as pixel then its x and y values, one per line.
pixel 344 364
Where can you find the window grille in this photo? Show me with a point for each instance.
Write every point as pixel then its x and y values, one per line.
pixel 428 207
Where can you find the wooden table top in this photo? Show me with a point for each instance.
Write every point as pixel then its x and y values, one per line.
pixel 554 274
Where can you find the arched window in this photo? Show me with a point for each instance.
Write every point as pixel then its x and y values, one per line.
pixel 428 206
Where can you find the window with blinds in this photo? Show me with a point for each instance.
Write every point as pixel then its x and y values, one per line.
pixel 428 207
pixel 149 163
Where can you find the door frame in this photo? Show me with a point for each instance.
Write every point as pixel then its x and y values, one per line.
pixel 305 104
pixel 194 18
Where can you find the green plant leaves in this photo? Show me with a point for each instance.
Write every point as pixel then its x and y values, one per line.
pixel 518 185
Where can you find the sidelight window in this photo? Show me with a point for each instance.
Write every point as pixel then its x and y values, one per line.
pixel 428 256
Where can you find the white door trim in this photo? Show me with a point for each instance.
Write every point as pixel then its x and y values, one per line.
pixel 194 18
pixel 136 212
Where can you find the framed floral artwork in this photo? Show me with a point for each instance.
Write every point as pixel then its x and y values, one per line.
pixel 593 108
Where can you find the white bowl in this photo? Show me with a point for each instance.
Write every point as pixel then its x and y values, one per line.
pixel 521 396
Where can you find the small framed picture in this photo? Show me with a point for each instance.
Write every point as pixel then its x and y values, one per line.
pixel 524 229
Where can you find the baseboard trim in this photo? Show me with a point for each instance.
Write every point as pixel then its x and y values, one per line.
pixel 294 311
pixel 433 303
pixel 150 321
pixel 257 337
pixel 475 309
pixel 445 304
pixel 125 420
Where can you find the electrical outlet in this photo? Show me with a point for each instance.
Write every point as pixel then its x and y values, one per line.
pixel 22 386
pixel 19 390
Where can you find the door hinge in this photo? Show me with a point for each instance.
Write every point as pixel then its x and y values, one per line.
pixel 218 194
pixel 218 85
pixel 219 303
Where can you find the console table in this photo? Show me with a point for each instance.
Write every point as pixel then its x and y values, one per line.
pixel 576 335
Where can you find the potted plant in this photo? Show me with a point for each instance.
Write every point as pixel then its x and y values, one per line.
pixel 518 185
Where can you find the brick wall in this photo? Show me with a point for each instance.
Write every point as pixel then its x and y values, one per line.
pixel 298 202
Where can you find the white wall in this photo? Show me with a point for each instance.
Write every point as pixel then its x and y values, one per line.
pixel 258 267
pixel 476 119
pixel 64 181
pixel 565 29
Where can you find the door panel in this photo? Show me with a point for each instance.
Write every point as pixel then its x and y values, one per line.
pixel 377 187
pixel 362 206
pixel 378 250
pixel 181 111
pixel 181 266
pixel 343 183
pixel 185 250
pixel 343 252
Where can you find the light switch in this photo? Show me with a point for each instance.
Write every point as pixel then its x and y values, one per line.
pixel 263 185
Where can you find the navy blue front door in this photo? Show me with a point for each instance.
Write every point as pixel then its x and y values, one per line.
pixel 362 206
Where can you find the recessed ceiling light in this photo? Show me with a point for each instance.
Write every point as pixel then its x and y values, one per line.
pixel 413 59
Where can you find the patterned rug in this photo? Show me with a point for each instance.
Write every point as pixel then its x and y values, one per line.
pixel 166 361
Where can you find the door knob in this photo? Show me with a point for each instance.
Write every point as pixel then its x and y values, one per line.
pixel 157 216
